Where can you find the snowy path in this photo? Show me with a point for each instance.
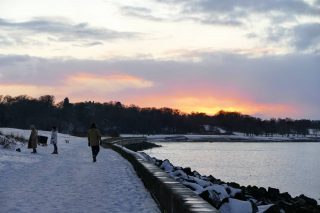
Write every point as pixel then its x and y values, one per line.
pixel 70 182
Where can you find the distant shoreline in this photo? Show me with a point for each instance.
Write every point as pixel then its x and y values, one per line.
pixel 226 138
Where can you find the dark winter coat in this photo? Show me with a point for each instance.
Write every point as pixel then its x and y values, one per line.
pixel 33 139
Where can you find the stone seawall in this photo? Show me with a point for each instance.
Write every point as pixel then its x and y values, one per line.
pixel 172 196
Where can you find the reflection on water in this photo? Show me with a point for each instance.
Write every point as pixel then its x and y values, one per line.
pixel 291 167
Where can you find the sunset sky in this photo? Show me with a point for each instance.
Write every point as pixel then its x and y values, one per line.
pixel 257 57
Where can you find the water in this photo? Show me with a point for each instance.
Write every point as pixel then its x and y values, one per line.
pixel 291 167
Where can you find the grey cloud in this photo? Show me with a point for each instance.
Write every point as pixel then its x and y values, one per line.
pixel 236 12
pixel 140 12
pixel 307 36
pixel 10 60
pixel 302 37
pixel 252 35
pixel 244 7
pixel 149 14
pixel 278 33
pixel 63 29
pixel 5 41
pixel 216 20
pixel 89 44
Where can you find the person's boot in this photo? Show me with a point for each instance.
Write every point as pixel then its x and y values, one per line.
pixel 55 151
pixel 34 151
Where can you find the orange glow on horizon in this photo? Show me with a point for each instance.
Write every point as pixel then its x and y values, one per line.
pixel 211 106
pixel 204 103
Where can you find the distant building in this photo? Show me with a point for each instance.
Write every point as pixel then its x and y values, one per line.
pixel 213 129
pixel 314 132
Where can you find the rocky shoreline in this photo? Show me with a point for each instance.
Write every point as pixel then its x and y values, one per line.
pixel 233 198
pixel 140 146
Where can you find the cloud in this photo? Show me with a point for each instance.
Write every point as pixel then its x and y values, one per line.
pixel 245 7
pixel 89 44
pixel 4 41
pixel 273 85
pixel 216 20
pixel 60 29
pixel 177 16
pixel 10 60
pixel 140 12
pixel 307 36
pixel 302 37
pixel 281 18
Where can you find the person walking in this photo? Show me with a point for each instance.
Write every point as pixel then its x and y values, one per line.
pixel 94 140
pixel 54 139
pixel 33 139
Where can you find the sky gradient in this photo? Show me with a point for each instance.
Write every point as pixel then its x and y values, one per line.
pixel 257 57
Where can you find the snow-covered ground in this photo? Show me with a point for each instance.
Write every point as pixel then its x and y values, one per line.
pixel 69 181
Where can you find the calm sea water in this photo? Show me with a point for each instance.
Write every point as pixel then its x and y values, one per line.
pixel 291 167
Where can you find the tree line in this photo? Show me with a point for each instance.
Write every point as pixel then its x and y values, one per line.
pixel 114 117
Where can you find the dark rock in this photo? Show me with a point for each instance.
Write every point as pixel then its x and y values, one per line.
pixel 228 190
pixel 309 201
pixel 234 185
pixel 18 150
pixel 286 196
pixel 211 178
pixel 214 180
pixel 225 200
pixel 196 174
pixel 304 209
pixel 178 168
pixel 205 195
pixel 299 201
pixel 253 190
pixel 273 193
pixel 187 170
pixel 262 192
pixel 274 209
pixel 287 206
pixel 158 163
pixel 240 196
pixel 256 192
pixel 211 197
